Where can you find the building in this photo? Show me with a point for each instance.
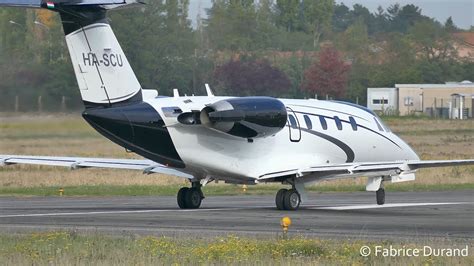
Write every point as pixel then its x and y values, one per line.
pixel 383 100
pixel 450 100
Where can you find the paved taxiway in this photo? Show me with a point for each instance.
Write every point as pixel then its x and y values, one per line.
pixel 406 215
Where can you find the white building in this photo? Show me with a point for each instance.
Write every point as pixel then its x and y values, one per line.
pixel 450 100
pixel 383 100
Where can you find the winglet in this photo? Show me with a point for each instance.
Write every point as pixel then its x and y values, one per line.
pixel 209 91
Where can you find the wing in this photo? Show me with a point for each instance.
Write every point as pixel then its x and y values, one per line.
pixel 147 166
pixel 399 171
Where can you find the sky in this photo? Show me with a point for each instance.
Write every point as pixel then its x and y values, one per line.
pixel 462 11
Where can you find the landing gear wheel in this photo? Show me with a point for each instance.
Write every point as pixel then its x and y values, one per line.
pixel 291 200
pixel 182 197
pixel 193 198
pixel 280 198
pixel 380 195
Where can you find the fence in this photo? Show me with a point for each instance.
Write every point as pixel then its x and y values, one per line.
pixel 452 108
pixel 17 103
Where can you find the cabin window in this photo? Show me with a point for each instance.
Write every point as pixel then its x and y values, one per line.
pixel 338 122
pixel 308 122
pixel 324 125
pixel 292 121
pixel 378 124
pixel 353 123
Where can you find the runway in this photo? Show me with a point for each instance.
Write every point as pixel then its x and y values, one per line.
pixel 349 215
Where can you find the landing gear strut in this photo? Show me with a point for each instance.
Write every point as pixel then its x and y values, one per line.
pixel 287 199
pixel 190 198
pixel 380 195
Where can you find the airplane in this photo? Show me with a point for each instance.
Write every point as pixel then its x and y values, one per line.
pixel 238 140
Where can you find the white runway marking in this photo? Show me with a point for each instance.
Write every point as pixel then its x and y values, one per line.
pixel 338 208
pixel 390 205
pixel 109 212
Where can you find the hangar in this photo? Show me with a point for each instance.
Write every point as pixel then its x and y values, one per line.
pixel 453 100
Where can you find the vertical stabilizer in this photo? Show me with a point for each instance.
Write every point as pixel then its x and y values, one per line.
pixel 103 73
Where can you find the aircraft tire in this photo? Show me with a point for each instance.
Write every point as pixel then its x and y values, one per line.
pixel 292 200
pixel 380 195
pixel 280 197
pixel 182 197
pixel 193 198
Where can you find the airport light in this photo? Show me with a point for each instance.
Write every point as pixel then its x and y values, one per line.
pixel 17 24
pixel 41 25
pixel 50 43
pixel 285 224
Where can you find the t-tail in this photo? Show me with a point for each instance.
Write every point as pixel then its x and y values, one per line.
pixel 103 73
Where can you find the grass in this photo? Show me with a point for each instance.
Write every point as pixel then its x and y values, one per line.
pixel 229 190
pixel 69 135
pixel 69 248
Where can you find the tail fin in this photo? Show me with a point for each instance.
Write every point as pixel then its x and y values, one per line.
pixel 103 73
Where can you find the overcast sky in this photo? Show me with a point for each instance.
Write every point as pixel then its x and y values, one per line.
pixel 462 11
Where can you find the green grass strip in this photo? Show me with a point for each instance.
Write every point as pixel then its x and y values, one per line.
pixel 171 190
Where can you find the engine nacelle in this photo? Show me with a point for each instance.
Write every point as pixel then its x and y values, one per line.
pixel 246 117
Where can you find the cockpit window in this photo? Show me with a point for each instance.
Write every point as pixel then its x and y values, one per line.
pixel 381 125
pixel 378 124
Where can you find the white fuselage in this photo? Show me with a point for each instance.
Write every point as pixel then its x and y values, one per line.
pixel 360 137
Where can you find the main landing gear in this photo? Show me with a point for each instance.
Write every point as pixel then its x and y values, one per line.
pixel 287 199
pixel 380 195
pixel 190 198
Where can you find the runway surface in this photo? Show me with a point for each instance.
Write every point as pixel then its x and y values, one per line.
pixel 349 215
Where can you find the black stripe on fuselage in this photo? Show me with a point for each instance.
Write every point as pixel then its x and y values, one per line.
pixel 348 122
pixel 347 150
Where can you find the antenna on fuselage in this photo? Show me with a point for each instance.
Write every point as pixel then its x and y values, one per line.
pixel 175 93
pixel 209 91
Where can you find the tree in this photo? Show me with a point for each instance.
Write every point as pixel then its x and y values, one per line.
pixel 431 41
pixel 328 76
pixel 317 15
pixel 287 14
pixel 380 21
pixel 355 41
pixel 232 25
pixel 450 26
pixel 159 43
pixel 401 19
pixel 251 77
pixel 342 18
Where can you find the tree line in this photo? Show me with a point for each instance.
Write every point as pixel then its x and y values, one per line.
pixel 282 48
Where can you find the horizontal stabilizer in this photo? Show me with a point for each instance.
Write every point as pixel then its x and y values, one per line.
pixel 21 3
pixel 53 4
pixel 146 166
